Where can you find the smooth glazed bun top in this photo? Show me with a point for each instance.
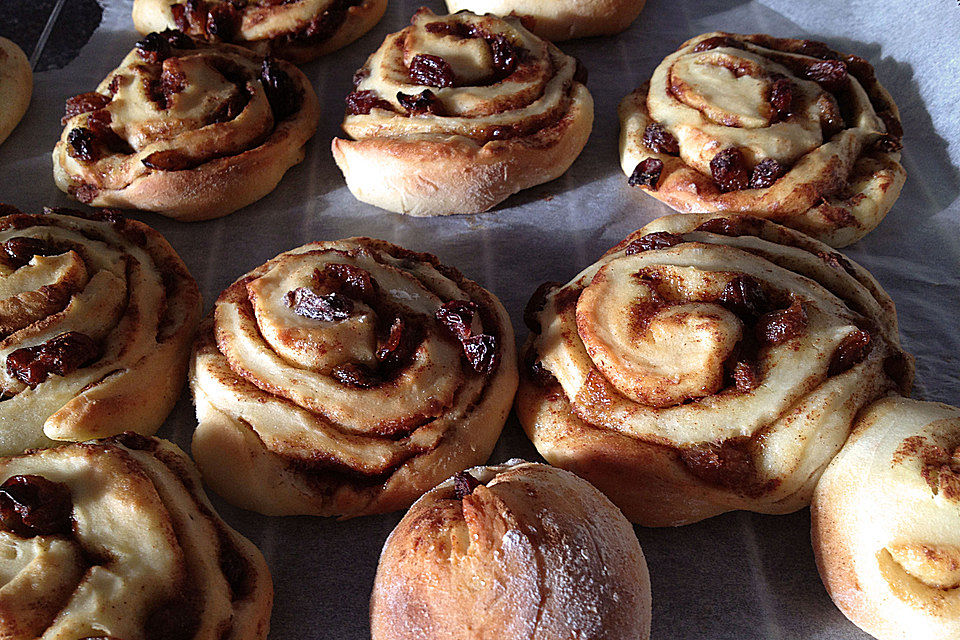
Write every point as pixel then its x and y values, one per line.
pixel 515 551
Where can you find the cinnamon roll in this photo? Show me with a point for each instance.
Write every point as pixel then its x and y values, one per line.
pixel 518 550
pixel 557 20
pixel 16 86
pixel 886 521
pixel 788 130
pixel 347 378
pixel 187 129
pixel 295 30
pixel 115 539
pixel 97 315
pixel 456 113
pixel 707 364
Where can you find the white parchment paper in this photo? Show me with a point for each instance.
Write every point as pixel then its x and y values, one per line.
pixel 739 576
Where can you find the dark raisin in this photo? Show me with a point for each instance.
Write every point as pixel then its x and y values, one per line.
pixel 83 103
pixel 172 81
pixel 851 351
pixel 816 49
pixel 60 355
pixel 539 374
pixel 652 241
pixel 99 123
pixel 829 74
pixel 728 463
pixel 745 377
pixel 457 317
pixel 729 170
pixel 154 48
pixel 888 144
pixel 83 145
pixel 781 96
pixel 169 160
pixel 431 71
pixel 85 193
pixel 536 304
pixel 724 227
pixel 34 506
pixel 777 327
pixel 361 74
pixel 646 174
pixel 717 41
pixel 481 352
pixel 659 140
pixel 361 102
pixel 505 54
pixel 391 349
pixel 331 307
pixel 20 250
pixel 230 109
pixel 223 21
pixel 455 29
pixel 464 484
pixel 178 39
pixel 744 296
pixel 281 90
pixel 356 375
pixel 179 13
pixel 423 102
pixel 135 441
pixel 892 123
pixel 766 173
pixel 354 281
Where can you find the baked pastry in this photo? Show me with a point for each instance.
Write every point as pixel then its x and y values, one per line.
pixel 348 378
pixel 187 129
pixel 97 315
pixel 558 20
pixel 519 550
pixel 707 364
pixel 115 539
pixel 295 30
pixel 783 129
pixel 886 521
pixel 456 113
pixel 16 86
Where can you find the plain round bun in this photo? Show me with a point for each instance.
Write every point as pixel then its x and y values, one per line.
pixel 16 86
pixel 557 20
pixel 706 364
pixel 348 378
pixel 438 124
pixel 519 550
pixel 886 521
pixel 115 539
pixel 186 129
pixel 98 314
pixel 295 31
pixel 788 130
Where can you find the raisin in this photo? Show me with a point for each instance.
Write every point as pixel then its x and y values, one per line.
pixel 230 109
pixel 536 304
pixel 172 81
pixel 781 96
pixel 729 170
pixel 362 74
pixel 829 74
pixel 481 352
pixel 659 140
pixel 457 317
pixel 766 173
pixel 331 307
pixel 724 227
pixel 454 29
pixel 653 241
pixel 362 102
pixel 98 122
pixel 85 193
pixel 169 160
pixel 892 123
pixel 816 49
pixel 223 21
pixel 852 350
pixel 20 250
pixel 431 71
pixel 135 441
pixel 355 281
pixel 777 327
pixel 539 374
pixel 728 463
pixel 888 144
pixel 744 296
pixel 60 355
pixel 392 349
pixel 83 103
pixel 178 39
pixel 356 375
pixel 745 377
pixel 646 174
pixel 423 102
pixel 505 54
pixel 325 25
pixel 717 41
pixel 282 92
pixel 464 484
pixel 154 48
pixel 83 145
pixel 34 506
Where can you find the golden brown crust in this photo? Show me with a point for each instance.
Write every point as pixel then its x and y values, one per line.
pixel 499 128
pixel 189 130
pixel 126 546
pixel 16 86
pixel 557 20
pixel 706 364
pixel 331 381
pixel 885 521
pixel 818 137
pixel 517 550
pixel 119 283
pixel 298 31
